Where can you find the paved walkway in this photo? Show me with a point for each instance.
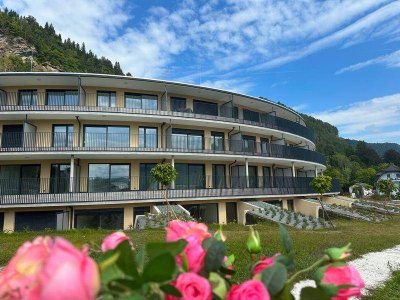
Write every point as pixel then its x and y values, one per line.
pixel 375 268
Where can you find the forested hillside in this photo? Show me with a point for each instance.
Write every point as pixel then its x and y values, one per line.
pixel 350 161
pixel 21 37
pixel 380 148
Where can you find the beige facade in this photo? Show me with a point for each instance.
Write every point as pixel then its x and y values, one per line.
pixel 280 156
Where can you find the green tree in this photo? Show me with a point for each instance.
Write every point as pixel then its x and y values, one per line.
pixel 367 155
pixel 392 156
pixel 366 175
pixel 322 184
pixel 386 187
pixel 165 174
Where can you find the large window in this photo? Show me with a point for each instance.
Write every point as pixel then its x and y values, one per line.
pixel 106 136
pixel 63 135
pixel 267 179
pixel 264 145
pixel 12 136
pixel 218 176
pixel 190 176
pixel 19 179
pixel 217 141
pixel 249 144
pixel 205 108
pixel 231 212
pixel 148 137
pixel 62 97
pixel 146 180
pixel 141 101
pixel 178 104
pixel 100 218
pixel 207 213
pixel 239 179
pixel 106 99
pixel 109 177
pixel 27 97
pixel 250 115
pixel 187 139
pixel 41 220
pixel 60 178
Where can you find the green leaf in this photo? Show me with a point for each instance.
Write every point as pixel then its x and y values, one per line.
pixel 126 261
pixel 160 269
pixel 274 278
pixel 171 290
pixel 216 252
pixel 309 293
pixel 287 242
pixel 288 261
pixel 174 248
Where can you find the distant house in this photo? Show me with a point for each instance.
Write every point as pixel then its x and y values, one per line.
pixel 392 172
pixel 360 190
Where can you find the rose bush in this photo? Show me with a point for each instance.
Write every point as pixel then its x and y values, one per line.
pixel 191 264
pixel 50 269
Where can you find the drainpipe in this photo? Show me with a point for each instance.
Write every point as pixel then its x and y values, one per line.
pixel 79 130
pixel 230 173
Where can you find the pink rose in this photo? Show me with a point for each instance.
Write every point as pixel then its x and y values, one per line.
pixel 111 241
pixel 194 233
pixel 264 263
pixel 181 230
pixel 250 289
pixel 47 269
pixel 345 275
pixel 192 286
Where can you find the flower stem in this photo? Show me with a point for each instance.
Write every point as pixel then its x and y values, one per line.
pixel 308 269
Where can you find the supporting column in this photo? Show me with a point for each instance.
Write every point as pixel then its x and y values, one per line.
pixel 293 170
pixel 316 171
pixel 72 175
pixel 173 164
pixel 128 217
pixel 247 172
pixel 9 221
pixel 222 212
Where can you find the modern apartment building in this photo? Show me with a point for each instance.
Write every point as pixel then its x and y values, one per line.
pixel 77 149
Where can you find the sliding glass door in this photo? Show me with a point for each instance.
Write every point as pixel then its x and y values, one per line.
pixel 109 177
pixel 190 176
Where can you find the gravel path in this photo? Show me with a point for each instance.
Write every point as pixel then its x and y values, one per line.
pixel 375 268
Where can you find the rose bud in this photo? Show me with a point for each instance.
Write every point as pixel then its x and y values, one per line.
pixel 219 235
pixel 250 289
pixel 111 241
pixel 339 281
pixel 336 254
pixel 253 242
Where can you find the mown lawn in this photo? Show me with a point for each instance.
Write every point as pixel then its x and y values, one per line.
pixel 365 237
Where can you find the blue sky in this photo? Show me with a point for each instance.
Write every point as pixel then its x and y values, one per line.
pixel 336 60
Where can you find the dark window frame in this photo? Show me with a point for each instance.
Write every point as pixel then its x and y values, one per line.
pixel 67 134
pixel 33 93
pixel 189 132
pixel 252 114
pixel 61 91
pixel 145 135
pixel 171 99
pixel 109 173
pixel 109 98
pixel 141 99
pixel 217 134
pixel 106 126
pixel 39 178
pixel 205 102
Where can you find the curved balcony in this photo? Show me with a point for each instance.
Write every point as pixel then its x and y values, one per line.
pixel 12 101
pixel 64 191
pixel 115 142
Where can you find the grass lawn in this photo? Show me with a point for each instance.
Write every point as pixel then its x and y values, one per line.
pixel 365 237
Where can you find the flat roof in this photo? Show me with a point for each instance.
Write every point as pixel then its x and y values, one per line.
pixel 130 82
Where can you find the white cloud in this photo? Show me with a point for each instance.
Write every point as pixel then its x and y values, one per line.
pixel 391 60
pixel 374 120
pixel 229 38
pixel 234 85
